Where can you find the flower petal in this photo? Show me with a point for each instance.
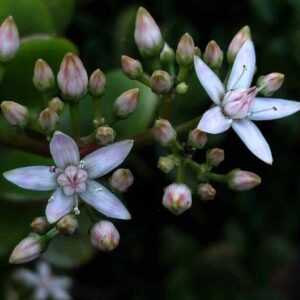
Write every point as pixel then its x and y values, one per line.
pixel 64 150
pixel 59 206
pixel 102 161
pixel 270 109
pixel 253 139
pixel 36 178
pixel 209 80
pixel 214 121
pixel 104 201
pixel 243 67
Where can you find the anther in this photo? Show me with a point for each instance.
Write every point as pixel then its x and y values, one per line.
pixel 262 110
pixel 81 164
pixel 51 199
pixel 99 189
pixel 76 211
pixel 52 169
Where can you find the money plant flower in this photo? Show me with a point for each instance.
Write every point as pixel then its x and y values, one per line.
pixel 72 178
pixel 237 104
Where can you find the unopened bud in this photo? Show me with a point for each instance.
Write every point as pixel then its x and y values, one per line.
pixel 67 225
pixel 121 180
pixel 132 68
pixel 197 52
pixel 56 104
pixel 213 55
pixel 237 42
pixel 242 180
pixel 185 51
pixel 160 82
pixel 197 138
pixel 206 192
pixel 147 34
pixel 27 250
pixel 72 78
pixel 164 133
pixel 126 103
pixel 182 88
pixel 105 135
pixel 167 55
pixel 166 164
pixel 48 119
pixel 43 77
pixel 270 83
pixel 40 225
pixel 215 156
pixel 104 236
pixel 14 113
pixel 177 198
pixel 97 83
pixel 9 39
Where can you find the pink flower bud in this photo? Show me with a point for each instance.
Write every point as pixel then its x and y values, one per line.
pixel 121 180
pixel 242 180
pixel 206 192
pixel 132 68
pixel 160 82
pixel 104 236
pixel 163 132
pixel 67 225
pixel 185 51
pixel 270 83
pixel 40 225
pixel 72 77
pixel 48 119
pixel 14 113
pixel 166 164
pixel 237 42
pixel 105 135
pixel 197 51
pixel 147 34
pixel 97 83
pixel 56 104
pixel 126 103
pixel 215 156
pixel 27 250
pixel 213 55
pixel 43 77
pixel 9 40
pixel 197 139
pixel 167 55
pixel 177 198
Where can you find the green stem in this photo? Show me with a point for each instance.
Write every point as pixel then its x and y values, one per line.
pixel 97 111
pixel 144 79
pixel 182 74
pixel 51 233
pixel 167 106
pixel 216 177
pixel 181 172
pixel 74 113
pixel 91 213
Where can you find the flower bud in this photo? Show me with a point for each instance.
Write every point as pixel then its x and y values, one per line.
pixel 237 42
pixel 177 198
pixel 166 164
pixel 48 119
pixel 72 77
pixel 164 133
pixel 206 192
pixel 104 236
pixel 185 51
pixel 121 180
pixel 14 113
pixel 160 82
pixel 105 135
pixel 147 34
pixel 270 83
pixel 40 225
pixel 167 55
pixel 9 40
pixel 197 52
pixel 213 55
pixel 182 88
pixel 197 138
pixel 56 104
pixel 97 83
pixel 242 180
pixel 43 77
pixel 215 156
pixel 27 250
pixel 126 103
pixel 67 225
pixel 132 68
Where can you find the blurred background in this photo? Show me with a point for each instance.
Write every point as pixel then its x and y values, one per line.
pixel 240 246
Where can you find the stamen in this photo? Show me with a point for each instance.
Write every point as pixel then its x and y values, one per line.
pixel 76 209
pixel 262 110
pixel 51 199
pixel 239 78
pixel 81 164
pixel 99 189
pixel 52 169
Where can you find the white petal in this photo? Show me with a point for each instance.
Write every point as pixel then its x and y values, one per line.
pixel 37 178
pixel 209 80
pixel 59 294
pixel 104 201
pixel 243 67
pixel 64 150
pixel 27 277
pixel 43 269
pixel 253 139
pixel 214 121
pixel 102 161
pixel 41 293
pixel 270 109
pixel 58 206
